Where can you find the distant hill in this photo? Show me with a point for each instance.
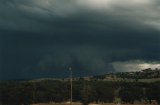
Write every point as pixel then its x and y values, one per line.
pixel 143 75
pixel 146 75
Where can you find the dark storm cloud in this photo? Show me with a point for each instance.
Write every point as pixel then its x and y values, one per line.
pixel 45 15
pixel 45 37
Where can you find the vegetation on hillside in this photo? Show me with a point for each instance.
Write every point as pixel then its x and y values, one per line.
pixel 96 89
pixel 18 93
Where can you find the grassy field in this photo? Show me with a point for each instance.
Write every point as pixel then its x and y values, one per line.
pixel 89 104
pixel 57 104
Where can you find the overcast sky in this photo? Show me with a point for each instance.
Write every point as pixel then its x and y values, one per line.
pixel 42 38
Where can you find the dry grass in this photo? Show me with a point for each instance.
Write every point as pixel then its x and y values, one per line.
pixel 81 104
pixel 75 103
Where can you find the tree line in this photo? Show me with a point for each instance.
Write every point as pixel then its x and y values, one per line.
pixel 45 91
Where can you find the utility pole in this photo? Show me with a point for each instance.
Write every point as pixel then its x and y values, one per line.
pixel 70 69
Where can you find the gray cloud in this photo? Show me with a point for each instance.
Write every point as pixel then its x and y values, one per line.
pixel 44 37
pixel 44 14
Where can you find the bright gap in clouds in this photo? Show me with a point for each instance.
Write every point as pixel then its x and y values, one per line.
pixel 134 66
pixel 147 65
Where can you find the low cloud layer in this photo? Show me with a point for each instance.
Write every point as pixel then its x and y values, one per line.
pixel 44 37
